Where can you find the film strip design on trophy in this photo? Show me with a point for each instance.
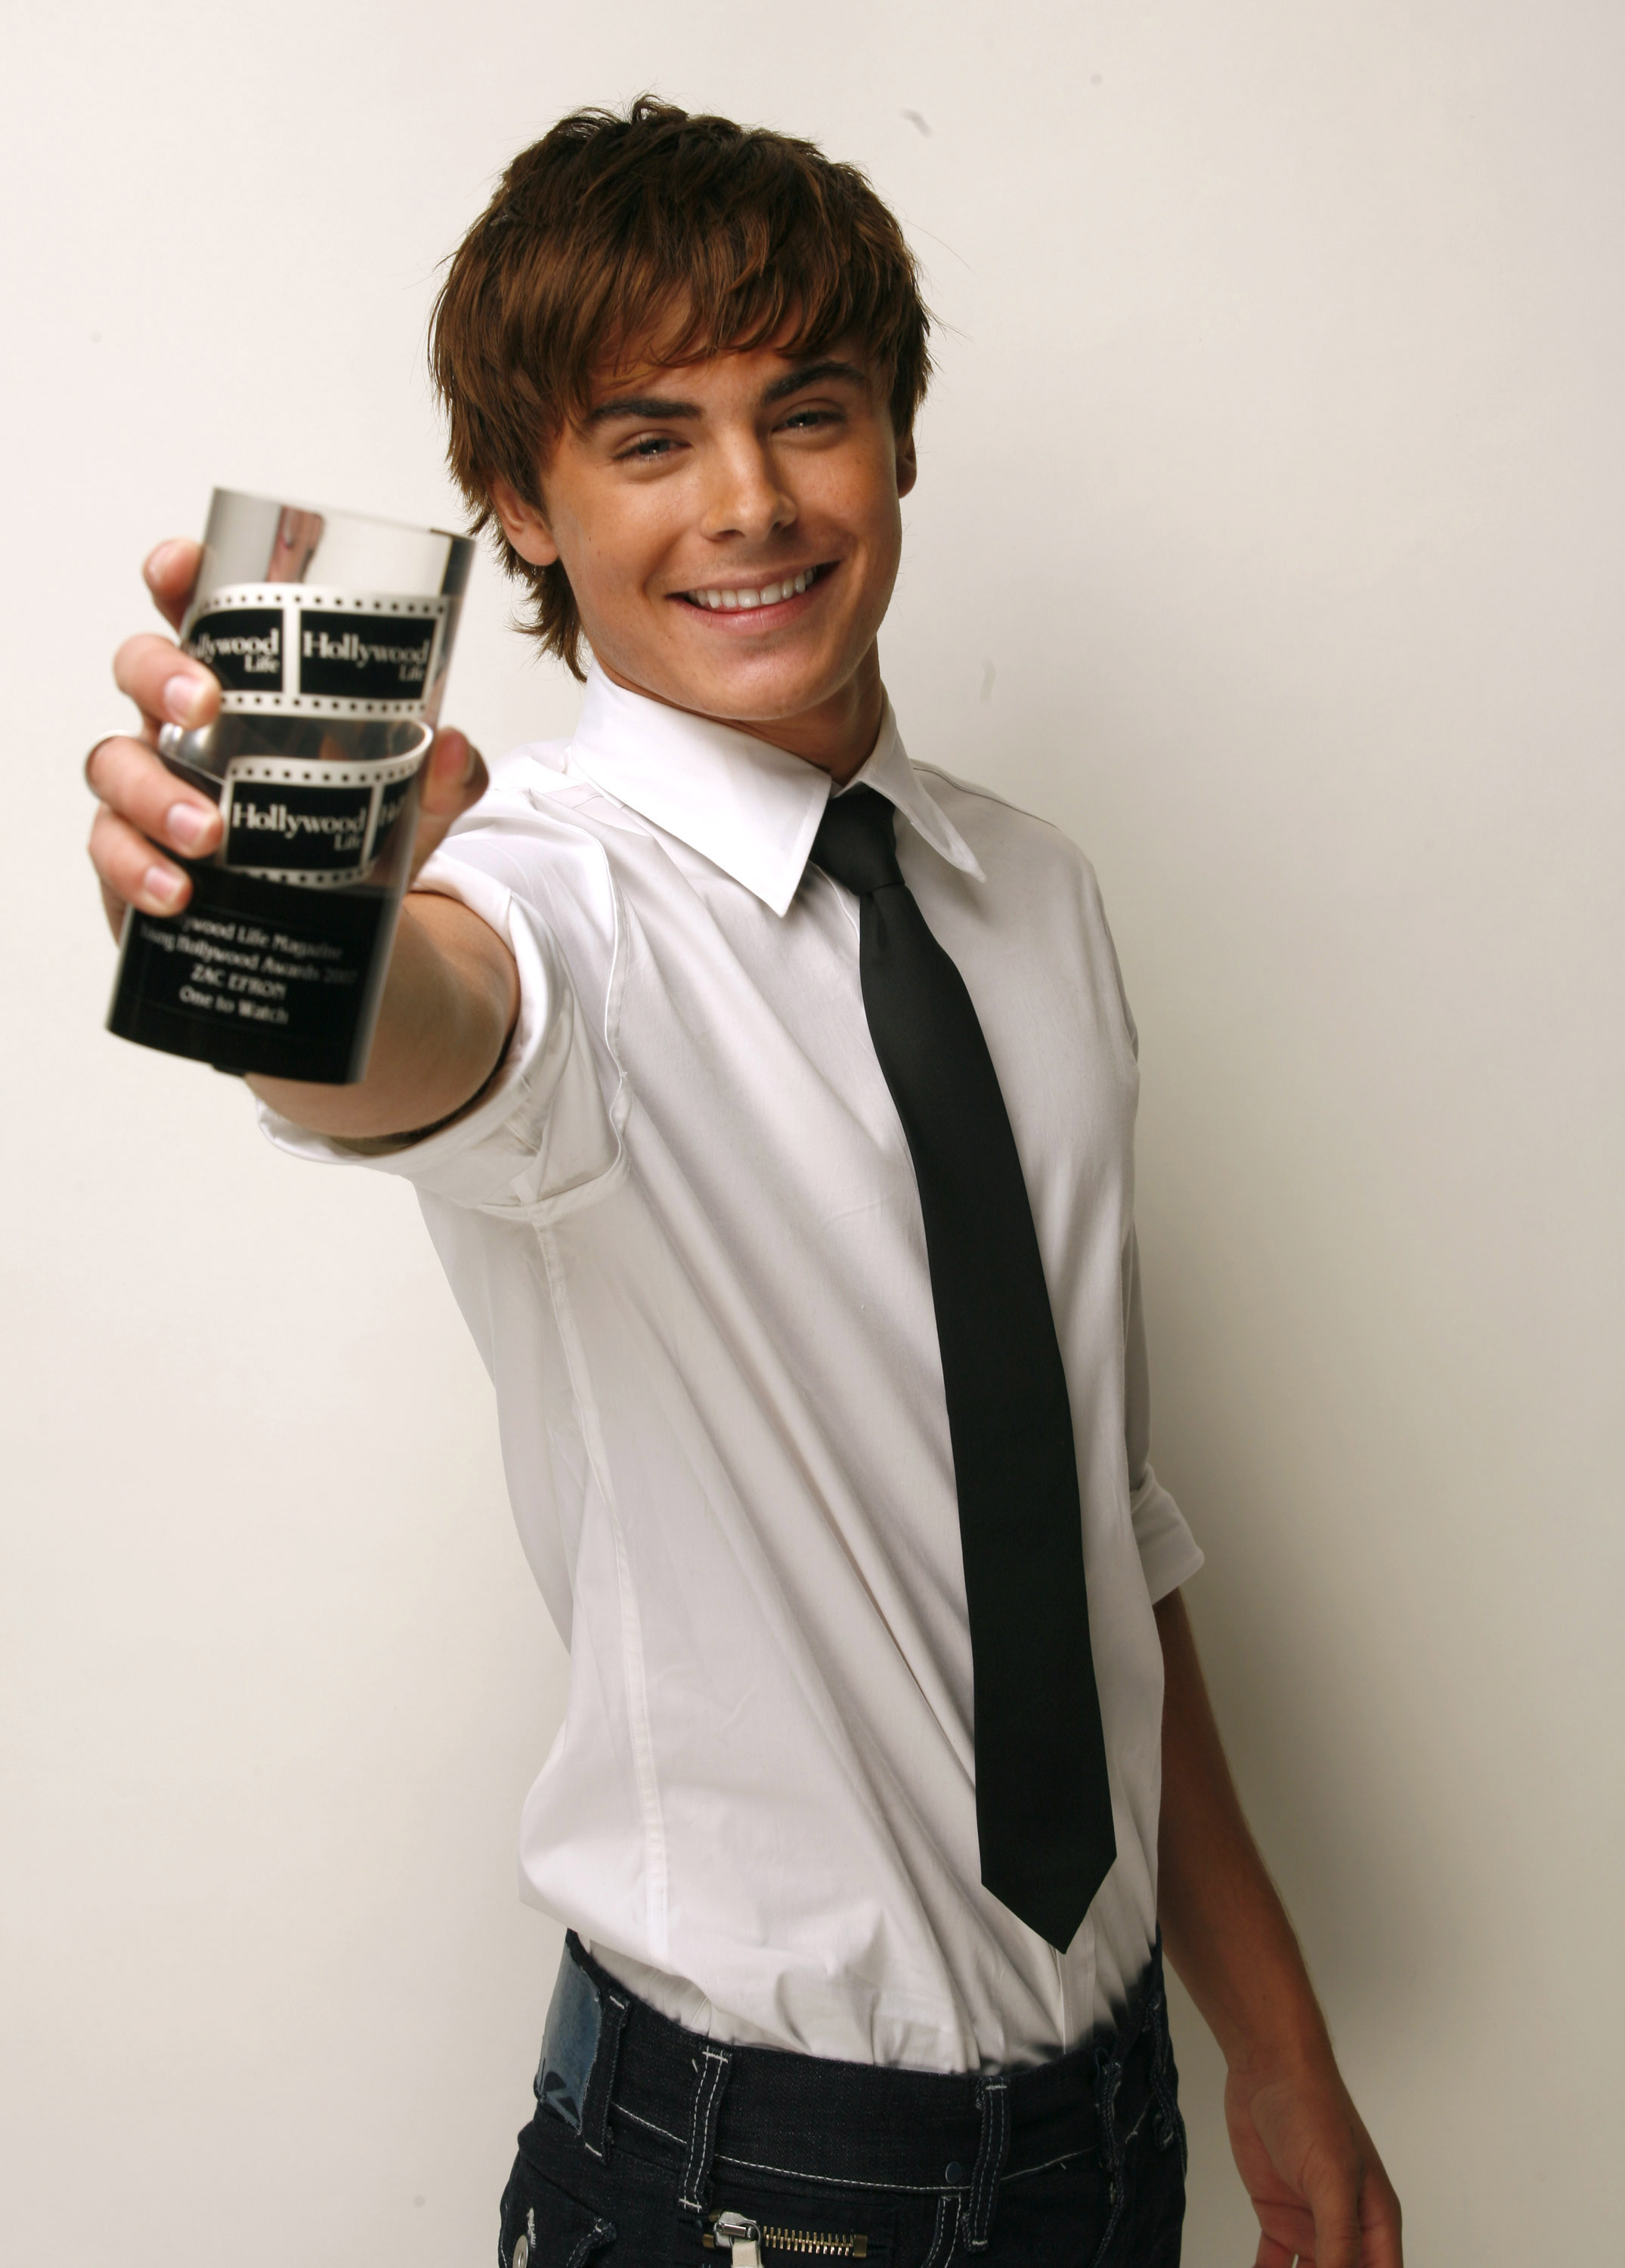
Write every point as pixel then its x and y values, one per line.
pixel 357 668
pixel 305 820
pixel 297 650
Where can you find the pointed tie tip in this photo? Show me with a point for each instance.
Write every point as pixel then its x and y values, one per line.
pixel 1056 1910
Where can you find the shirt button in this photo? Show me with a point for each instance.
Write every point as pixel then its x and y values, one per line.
pixel 954 2171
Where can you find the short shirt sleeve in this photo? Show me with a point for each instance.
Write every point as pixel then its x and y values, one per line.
pixel 540 1131
pixel 1169 1553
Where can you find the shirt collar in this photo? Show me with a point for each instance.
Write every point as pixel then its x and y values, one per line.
pixel 889 772
pixel 747 807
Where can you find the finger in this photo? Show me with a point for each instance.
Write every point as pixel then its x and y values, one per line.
pixel 1336 2226
pixel 138 786
pixel 1273 2255
pixel 454 776
pixel 171 574
pixel 1379 2223
pixel 131 870
pixel 166 685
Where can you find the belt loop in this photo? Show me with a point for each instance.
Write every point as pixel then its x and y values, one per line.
pixel 1169 2124
pixel 1109 2079
pixel 601 2079
pixel 993 2101
pixel 697 2182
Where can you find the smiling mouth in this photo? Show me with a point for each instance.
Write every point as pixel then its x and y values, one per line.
pixel 716 599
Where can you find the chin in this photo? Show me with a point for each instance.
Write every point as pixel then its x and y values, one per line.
pixel 737 686
pixel 761 689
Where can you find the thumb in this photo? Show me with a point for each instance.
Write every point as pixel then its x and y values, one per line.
pixel 453 778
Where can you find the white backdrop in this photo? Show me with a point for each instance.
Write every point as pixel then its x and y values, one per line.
pixel 1268 538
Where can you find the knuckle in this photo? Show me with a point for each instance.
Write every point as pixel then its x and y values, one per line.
pixel 144 660
pixel 107 780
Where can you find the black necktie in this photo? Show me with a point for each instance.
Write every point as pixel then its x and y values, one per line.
pixel 1043 1804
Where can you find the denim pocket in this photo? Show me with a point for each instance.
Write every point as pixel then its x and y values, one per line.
pixel 544 2227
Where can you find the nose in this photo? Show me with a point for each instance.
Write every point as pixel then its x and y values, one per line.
pixel 745 496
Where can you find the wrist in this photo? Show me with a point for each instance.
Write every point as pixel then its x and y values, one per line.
pixel 1241 1963
pixel 1278 2028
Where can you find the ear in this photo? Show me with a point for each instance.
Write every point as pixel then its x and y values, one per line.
pixel 908 465
pixel 522 524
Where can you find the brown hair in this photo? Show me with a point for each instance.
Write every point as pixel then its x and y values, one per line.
pixel 657 232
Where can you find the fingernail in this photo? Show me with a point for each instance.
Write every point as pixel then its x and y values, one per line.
pixel 163 884
pixel 469 762
pixel 181 697
pixel 157 561
pixel 187 824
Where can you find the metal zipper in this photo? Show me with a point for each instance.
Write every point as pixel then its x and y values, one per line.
pixel 743 2239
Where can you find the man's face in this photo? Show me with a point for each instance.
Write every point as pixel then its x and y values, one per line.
pixel 731 532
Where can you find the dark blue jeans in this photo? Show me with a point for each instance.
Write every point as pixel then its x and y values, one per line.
pixel 652 2145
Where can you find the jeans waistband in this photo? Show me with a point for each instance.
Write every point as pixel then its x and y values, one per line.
pixel 767 2111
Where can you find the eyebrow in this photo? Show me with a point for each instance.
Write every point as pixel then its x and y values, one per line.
pixel 810 374
pixel 660 406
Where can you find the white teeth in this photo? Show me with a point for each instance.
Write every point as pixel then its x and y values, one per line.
pixel 769 595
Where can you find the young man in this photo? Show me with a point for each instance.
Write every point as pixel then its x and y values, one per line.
pixel 769 1099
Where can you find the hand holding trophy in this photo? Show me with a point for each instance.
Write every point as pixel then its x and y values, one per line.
pixel 330 635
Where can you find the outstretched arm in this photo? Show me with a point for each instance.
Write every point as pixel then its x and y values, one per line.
pixel 1315 2179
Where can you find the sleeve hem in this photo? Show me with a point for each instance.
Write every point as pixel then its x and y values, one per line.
pixel 529 1063
pixel 1169 1553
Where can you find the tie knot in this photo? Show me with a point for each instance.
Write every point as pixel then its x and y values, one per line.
pixel 856 842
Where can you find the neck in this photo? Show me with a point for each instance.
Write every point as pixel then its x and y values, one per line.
pixel 837 734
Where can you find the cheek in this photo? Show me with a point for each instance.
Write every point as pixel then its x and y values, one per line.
pixel 875 503
pixel 858 490
pixel 611 545
pixel 873 513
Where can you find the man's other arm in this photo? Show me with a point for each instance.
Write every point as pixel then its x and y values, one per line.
pixel 1315 2179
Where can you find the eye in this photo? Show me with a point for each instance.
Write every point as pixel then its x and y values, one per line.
pixel 647 449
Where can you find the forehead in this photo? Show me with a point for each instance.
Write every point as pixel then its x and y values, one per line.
pixel 646 370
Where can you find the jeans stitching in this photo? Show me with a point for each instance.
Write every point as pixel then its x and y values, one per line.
pixel 829 2181
pixel 601 2232
pixel 1169 2119
pixel 609 2048
pixel 943 2231
pixel 1109 2078
pixel 703 2131
pixel 1024 2173
pixel 622 2112
pixel 693 2130
pixel 995 2105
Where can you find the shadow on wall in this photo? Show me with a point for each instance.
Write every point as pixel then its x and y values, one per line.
pixel 1318 1630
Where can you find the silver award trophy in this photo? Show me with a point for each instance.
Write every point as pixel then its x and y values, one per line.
pixel 330 635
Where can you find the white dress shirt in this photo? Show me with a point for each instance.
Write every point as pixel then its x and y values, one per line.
pixel 683 1226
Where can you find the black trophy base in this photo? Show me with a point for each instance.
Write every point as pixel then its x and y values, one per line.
pixel 258 976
